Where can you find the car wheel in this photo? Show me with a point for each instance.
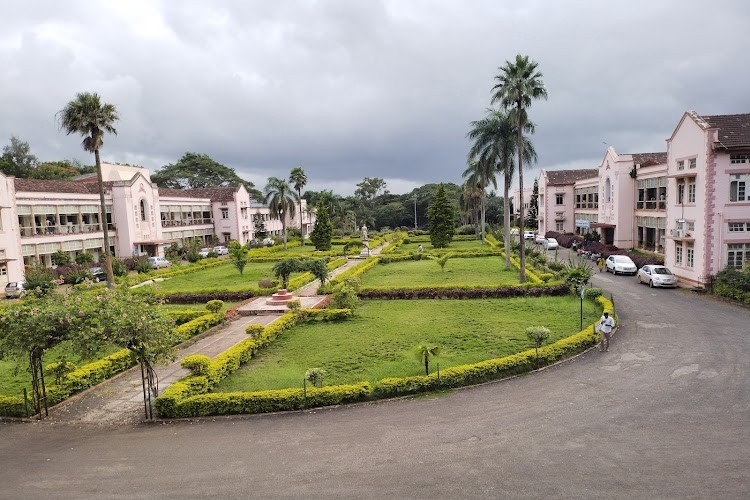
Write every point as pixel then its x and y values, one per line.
pixel 651 283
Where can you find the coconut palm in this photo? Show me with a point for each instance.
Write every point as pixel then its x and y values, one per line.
pixel 281 201
pixel 519 83
pixel 299 180
pixel 495 139
pixel 423 352
pixel 88 116
pixel 481 173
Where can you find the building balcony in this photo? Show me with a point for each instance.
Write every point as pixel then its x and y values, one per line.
pixel 651 205
pixel 681 234
pixel 559 216
pixel 42 231
pixel 186 222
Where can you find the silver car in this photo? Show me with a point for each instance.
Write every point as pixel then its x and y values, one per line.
pixel 656 276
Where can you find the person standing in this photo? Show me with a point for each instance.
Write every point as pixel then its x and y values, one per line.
pixel 600 263
pixel 606 323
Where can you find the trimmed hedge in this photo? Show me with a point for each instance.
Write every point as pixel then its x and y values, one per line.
pixel 463 292
pixel 90 375
pixel 196 326
pixel 182 317
pixel 203 297
pixel 186 399
pixel 171 272
pixel 12 406
pixel 352 272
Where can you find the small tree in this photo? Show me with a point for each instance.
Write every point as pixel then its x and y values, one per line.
pixel 84 258
pixel 442 219
pixel 39 280
pixel 315 376
pixel 424 352
pixel 577 274
pixel 322 232
pixel 345 295
pixel 538 335
pixel 443 260
pixel 532 218
pixel 284 268
pixel 238 257
pixel 319 269
pixel 60 258
pixel 259 226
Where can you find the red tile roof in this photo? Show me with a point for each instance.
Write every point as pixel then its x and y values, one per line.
pixel 214 194
pixel 734 130
pixel 648 159
pixel 45 186
pixel 563 177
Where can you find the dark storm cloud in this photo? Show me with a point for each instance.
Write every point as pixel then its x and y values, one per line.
pixel 349 89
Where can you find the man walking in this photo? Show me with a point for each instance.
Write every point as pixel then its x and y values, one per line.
pixel 606 323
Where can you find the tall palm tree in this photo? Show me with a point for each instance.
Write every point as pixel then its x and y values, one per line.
pixel 281 201
pixel 88 116
pixel 518 84
pixel 495 139
pixel 299 180
pixel 481 173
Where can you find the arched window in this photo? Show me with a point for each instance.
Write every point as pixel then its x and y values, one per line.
pixel 143 209
pixel 607 190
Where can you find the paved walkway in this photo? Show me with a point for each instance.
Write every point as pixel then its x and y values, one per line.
pixel 120 399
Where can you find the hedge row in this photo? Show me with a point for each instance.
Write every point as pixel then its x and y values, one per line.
pixel 181 317
pixel 185 398
pixel 12 406
pixel 196 326
pixel 203 297
pixel 462 254
pixel 306 277
pixel 352 272
pixel 171 272
pixel 463 292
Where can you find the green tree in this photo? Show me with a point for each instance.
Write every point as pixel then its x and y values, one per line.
pixel 259 226
pixel 39 280
pixel 424 352
pixel 238 257
pixel 533 216
pixel 442 261
pixel 319 269
pixel 577 273
pixel 51 171
pixel 281 201
pixel 299 180
pixel 322 232
pixel 60 258
pixel 519 83
pixel 538 335
pixel 88 116
pixel 197 170
pixel 442 219
pixel 480 174
pixel 284 269
pixel 17 159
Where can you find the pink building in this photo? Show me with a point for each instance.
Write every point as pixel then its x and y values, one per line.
pixel 557 198
pixel 39 218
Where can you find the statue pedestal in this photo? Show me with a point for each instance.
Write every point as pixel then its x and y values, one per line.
pixel 280 298
pixel 365 252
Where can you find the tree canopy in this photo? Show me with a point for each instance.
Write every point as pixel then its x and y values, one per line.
pixel 442 219
pixel 197 170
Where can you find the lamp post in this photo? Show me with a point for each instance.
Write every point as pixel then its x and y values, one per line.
pixel 415 212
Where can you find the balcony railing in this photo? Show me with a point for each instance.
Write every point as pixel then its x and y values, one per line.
pixel 186 222
pixel 651 205
pixel 29 231
pixel 559 216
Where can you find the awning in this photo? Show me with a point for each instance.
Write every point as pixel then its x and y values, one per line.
pixel 153 242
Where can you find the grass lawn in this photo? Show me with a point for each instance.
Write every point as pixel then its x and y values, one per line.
pixel 480 271
pixel 219 278
pixel 380 341
pixel 14 376
pixel 458 246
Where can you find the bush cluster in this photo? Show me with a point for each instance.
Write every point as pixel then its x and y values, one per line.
pixel 733 284
pixel 463 292
pixel 202 298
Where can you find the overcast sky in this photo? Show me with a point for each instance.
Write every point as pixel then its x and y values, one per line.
pixel 355 88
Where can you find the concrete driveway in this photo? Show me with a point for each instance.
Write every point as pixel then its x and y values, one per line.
pixel 664 414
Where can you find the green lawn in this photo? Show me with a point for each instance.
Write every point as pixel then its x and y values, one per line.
pixel 458 246
pixel 480 271
pixel 380 340
pixel 219 278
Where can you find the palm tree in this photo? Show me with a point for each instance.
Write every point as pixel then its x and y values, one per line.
pixel 280 200
pixel 481 173
pixel 424 352
pixel 519 83
pixel 88 116
pixel 298 178
pixel 495 141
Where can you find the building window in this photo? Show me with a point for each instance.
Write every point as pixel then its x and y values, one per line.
pixel 558 226
pixel 681 165
pixel 559 198
pixel 224 213
pixel 690 226
pixel 3 270
pixel 678 254
pixel 738 226
pixel 690 254
pixel 143 209
pixel 738 188
pixel 680 193
pixel 739 158
pixel 738 254
pixel 691 192
pixel 692 163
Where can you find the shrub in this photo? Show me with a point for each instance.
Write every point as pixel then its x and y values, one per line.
pixel 593 293
pixel 294 305
pixel 538 335
pixel 39 280
pixel 60 258
pixel 119 268
pixel 266 283
pixel 315 376
pixel 214 306
pixel 254 329
pixel 196 363
pixel 345 295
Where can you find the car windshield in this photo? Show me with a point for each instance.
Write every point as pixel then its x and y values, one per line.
pixel 661 270
pixel 621 259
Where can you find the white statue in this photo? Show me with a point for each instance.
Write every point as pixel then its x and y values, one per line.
pixel 364 232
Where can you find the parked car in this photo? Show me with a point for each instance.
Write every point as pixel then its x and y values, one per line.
pixel 656 276
pixel 620 264
pixel 550 243
pixel 540 239
pixel 15 289
pixel 98 274
pixel 158 262
pixel 204 252
pixel 514 231
pixel 528 235
pixel 221 250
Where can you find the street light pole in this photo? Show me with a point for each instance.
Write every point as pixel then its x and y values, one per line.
pixel 415 212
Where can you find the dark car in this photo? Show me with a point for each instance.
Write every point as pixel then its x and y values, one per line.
pixel 98 274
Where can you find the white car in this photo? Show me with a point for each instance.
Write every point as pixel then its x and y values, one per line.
pixel 158 262
pixel 221 250
pixel 528 235
pixel 540 239
pixel 204 252
pixel 656 276
pixel 550 243
pixel 620 264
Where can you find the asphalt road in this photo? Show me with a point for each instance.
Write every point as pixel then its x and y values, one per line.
pixel 664 414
